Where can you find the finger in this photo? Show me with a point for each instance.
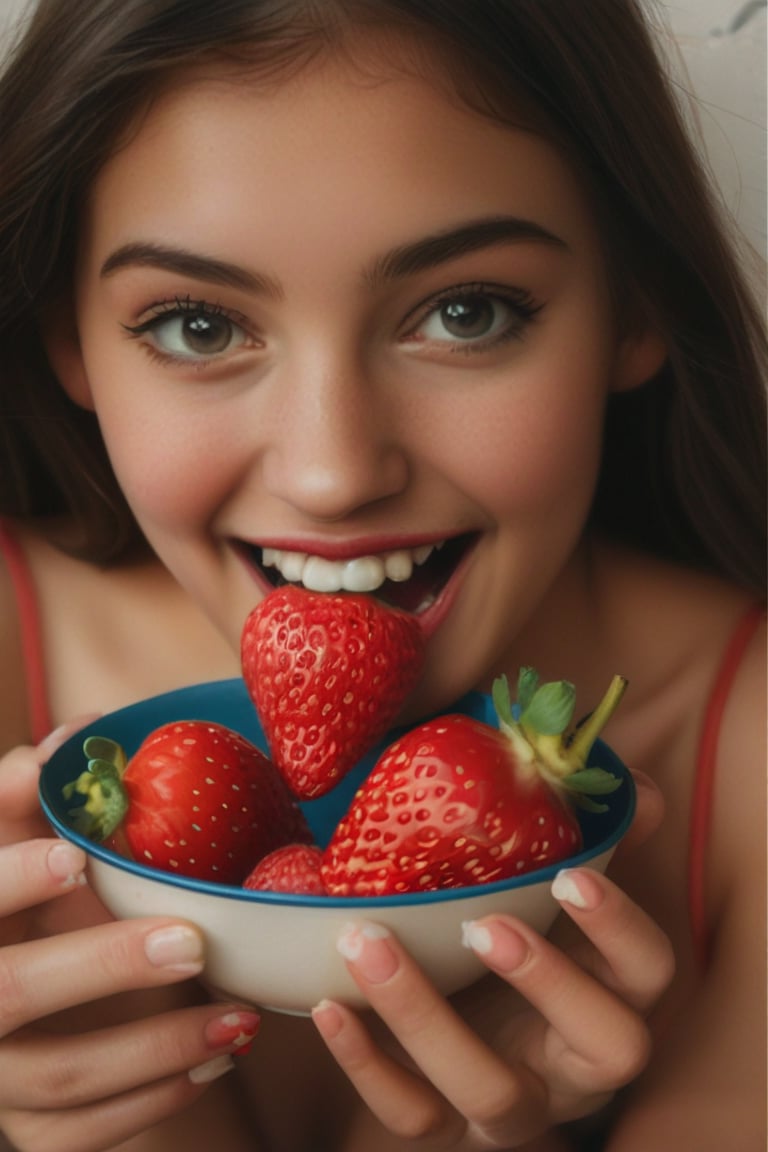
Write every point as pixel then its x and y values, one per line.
pixel 38 870
pixel 20 771
pixel 407 1105
pixel 50 1071
pixel 19 775
pixel 649 813
pixel 631 954
pixel 491 1095
pixel 42 977
pixel 106 1124
pixel 593 1040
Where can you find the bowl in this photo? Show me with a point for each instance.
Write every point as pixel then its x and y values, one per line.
pixel 279 951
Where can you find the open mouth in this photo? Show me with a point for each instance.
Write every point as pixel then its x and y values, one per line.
pixel 410 579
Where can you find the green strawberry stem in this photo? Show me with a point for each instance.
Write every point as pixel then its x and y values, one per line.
pixel 585 735
pixel 537 730
pixel 102 785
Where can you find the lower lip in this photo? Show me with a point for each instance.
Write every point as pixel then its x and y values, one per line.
pixel 429 619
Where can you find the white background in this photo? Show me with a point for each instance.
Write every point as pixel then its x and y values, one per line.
pixel 717 50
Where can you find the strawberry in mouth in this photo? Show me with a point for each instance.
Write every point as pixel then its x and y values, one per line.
pixel 410 579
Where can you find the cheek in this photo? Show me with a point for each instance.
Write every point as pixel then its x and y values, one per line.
pixel 174 469
pixel 537 457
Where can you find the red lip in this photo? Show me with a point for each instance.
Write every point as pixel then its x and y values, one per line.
pixel 330 549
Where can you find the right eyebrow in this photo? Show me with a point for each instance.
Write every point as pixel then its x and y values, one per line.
pixel 472 236
pixel 179 260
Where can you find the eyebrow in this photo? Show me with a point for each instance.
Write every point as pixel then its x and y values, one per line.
pixel 185 263
pixel 431 251
pixel 405 260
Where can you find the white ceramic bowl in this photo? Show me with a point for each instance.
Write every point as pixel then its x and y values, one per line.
pixel 279 951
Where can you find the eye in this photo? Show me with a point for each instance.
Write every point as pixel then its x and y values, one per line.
pixel 474 316
pixel 191 331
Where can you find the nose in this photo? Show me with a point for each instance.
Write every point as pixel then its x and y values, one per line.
pixel 334 447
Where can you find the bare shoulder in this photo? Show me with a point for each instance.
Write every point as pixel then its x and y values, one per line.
pixel 113 635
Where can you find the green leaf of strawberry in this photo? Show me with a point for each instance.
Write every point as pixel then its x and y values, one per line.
pixel 455 802
pixel 196 798
pixel 327 674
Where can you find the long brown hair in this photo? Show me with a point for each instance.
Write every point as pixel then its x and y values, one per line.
pixel 684 460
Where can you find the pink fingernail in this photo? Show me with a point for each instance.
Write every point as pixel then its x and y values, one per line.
pixel 328 1019
pixel 367 947
pixel 497 943
pixel 66 863
pixel 577 888
pixel 175 947
pixel 236 1030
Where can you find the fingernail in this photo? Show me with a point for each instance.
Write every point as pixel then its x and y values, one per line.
pixel 51 742
pixel 211 1070
pixel 66 863
pixel 367 946
pixel 578 888
pixel 177 947
pixel 235 1030
pixel 497 944
pixel 328 1019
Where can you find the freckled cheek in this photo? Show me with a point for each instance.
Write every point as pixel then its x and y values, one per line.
pixel 171 473
pixel 536 459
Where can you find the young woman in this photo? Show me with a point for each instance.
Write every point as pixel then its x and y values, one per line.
pixel 339 280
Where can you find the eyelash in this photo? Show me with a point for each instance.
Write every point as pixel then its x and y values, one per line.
pixel 521 304
pixel 178 308
pixel 518 300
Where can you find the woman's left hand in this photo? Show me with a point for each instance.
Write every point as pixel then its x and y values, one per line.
pixel 510 1059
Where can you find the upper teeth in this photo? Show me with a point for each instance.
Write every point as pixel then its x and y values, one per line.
pixel 360 574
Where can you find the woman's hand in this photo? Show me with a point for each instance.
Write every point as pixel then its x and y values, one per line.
pixel 511 1058
pixel 76 1075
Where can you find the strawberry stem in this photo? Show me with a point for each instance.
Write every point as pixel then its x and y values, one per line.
pixel 536 728
pixel 106 801
pixel 586 734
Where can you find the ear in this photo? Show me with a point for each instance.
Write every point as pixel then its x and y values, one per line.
pixel 58 328
pixel 641 354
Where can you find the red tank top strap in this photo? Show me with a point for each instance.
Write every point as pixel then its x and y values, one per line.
pixel 704 784
pixel 33 664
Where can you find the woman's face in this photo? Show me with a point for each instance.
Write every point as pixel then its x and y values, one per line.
pixel 346 332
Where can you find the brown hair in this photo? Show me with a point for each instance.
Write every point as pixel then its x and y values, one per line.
pixel 684 460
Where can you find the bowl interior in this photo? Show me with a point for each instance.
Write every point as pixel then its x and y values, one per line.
pixel 227 702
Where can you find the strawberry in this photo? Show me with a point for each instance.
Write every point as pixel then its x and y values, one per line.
pixel 455 802
pixel 327 675
pixel 196 798
pixel 294 868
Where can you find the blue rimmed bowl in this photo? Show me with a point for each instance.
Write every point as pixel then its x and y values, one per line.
pixel 279 951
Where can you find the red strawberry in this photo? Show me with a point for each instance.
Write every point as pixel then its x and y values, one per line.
pixel 455 802
pixel 294 868
pixel 327 674
pixel 196 798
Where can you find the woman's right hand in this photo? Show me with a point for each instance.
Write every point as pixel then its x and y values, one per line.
pixel 80 1072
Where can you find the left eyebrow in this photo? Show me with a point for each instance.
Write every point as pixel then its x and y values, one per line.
pixel 186 263
pixel 431 251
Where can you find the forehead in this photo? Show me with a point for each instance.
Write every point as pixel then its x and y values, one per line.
pixel 362 137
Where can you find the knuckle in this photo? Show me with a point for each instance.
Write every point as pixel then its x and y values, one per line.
pixel 630 1057
pixel 120 955
pixel 13 996
pixel 422 1121
pixel 59 1082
